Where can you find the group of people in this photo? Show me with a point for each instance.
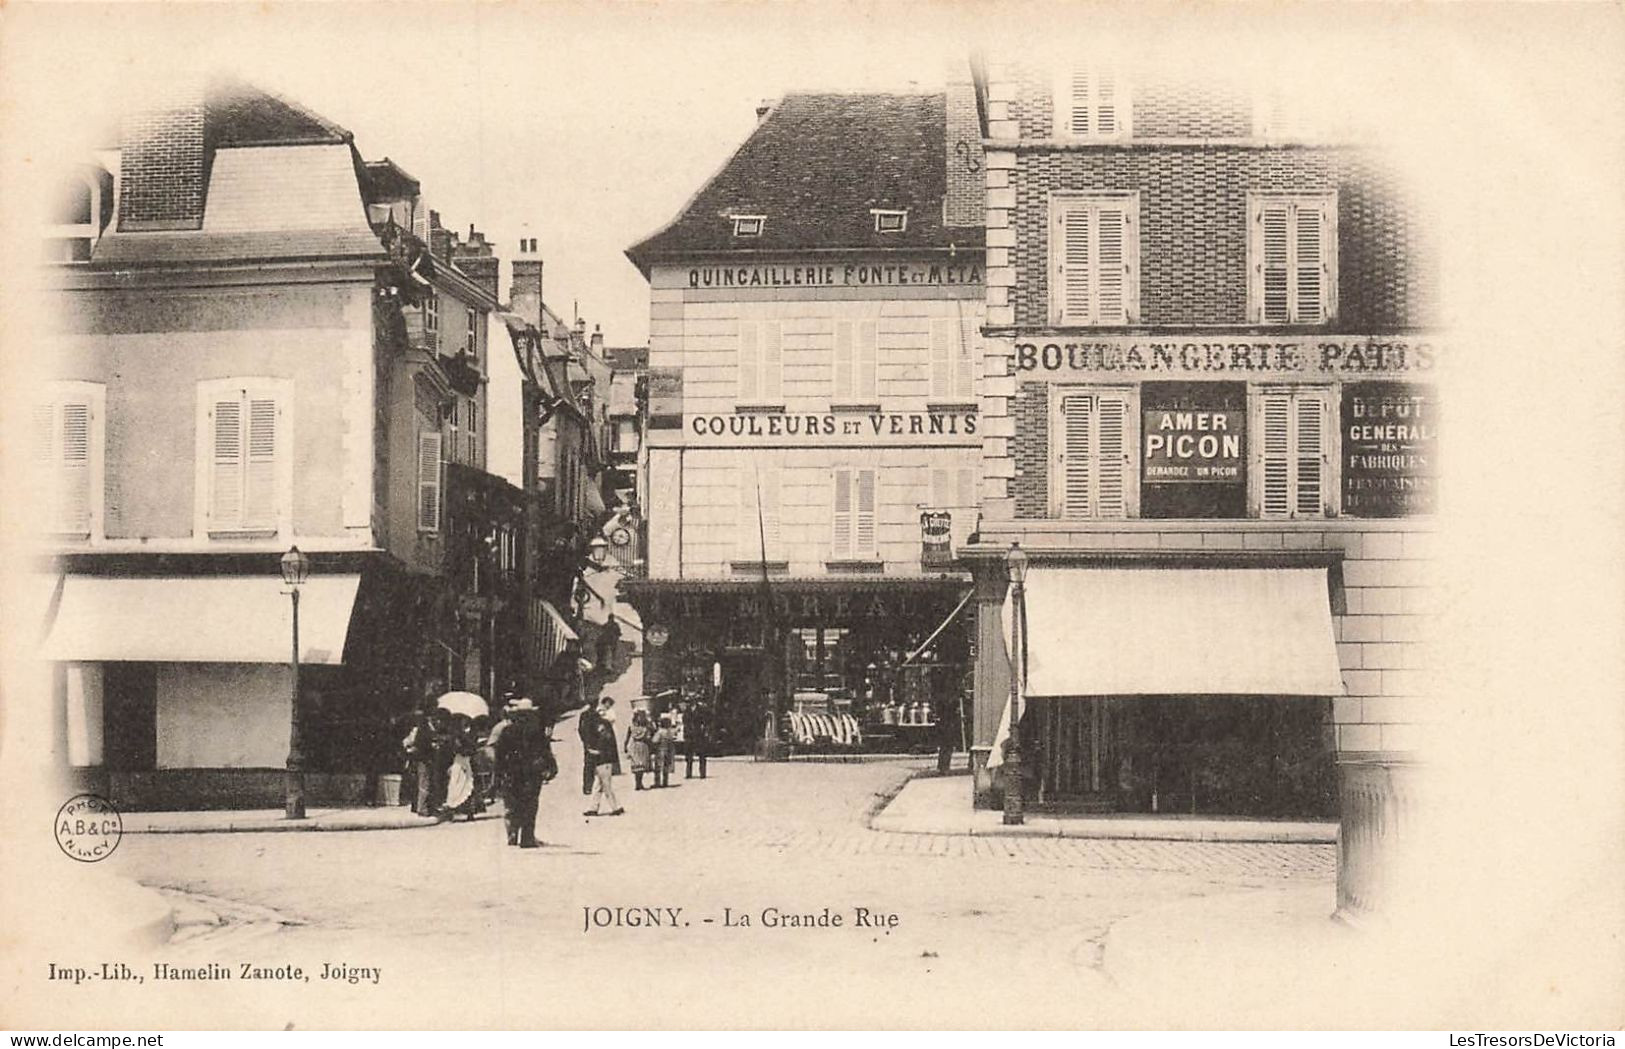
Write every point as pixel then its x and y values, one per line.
pixel 651 743
pixel 448 770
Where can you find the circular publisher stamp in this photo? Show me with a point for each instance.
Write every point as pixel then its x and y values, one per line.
pixel 88 828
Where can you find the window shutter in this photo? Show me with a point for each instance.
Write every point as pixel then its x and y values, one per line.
pixel 841 540
pixel 73 492
pixel 1078 103
pixel 964 365
pixel 259 469
pixel 772 362
pixel 44 436
pixel 1309 263
pixel 1276 495
pixel 941 494
pixel 1106 115
pixel 1112 456
pixel 1111 260
pixel 1273 222
pixel 1077 453
pixel 1309 453
pixel 942 358
pixel 865 382
pixel 226 505
pixel 768 545
pixel 845 361
pixel 1072 271
pixel 750 368
pixel 864 541
pixel 428 482
pixel 966 497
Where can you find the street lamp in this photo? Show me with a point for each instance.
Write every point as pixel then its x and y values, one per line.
pixel 1016 563
pixel 295 569
pixel 598 550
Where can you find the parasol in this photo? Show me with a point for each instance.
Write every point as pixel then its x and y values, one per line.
pixel 465 703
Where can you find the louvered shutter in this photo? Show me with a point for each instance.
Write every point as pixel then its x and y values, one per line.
pixel 428 482
pixel 73 488
pixel 259 466
pixel 841 538
pixel 1077 455
pixel 1273 263
pixel 865 382
pixel 942 358
pixel 226 504
pixel 750 367
pixel 966 498
pixel 864 540
pixel 1309 264
pixel 1078 102
pixel 845 361
pixel 1111 266
pixel 941 495
pixel 964 366
pixel 1112 456
pixel 1309 454
pixel 1276 455
pixel 44 438
pixel 1072 267
pixel 1107 122
pixel 772 362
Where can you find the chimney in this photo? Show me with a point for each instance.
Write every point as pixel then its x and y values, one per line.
pixel 525 294
pixel 965 203
pixel 163 168
pixel 764 109
pixel 597 342
pixel 440 238
pixel 476 258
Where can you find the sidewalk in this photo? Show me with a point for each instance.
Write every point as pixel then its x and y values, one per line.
pixel 219 821
pixel 942 805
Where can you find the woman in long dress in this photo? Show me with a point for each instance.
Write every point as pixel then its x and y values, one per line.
pixel 637 747
pixel 461 800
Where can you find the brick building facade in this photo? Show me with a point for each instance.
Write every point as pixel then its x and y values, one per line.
pixel 1209 373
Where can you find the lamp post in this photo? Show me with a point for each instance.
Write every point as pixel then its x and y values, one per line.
pixel 295 569
pixel 1016 563
pixel 598 551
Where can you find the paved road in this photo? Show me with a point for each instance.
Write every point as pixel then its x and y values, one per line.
pixel 471 933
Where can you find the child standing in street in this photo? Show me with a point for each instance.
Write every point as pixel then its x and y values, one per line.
pixel 662 752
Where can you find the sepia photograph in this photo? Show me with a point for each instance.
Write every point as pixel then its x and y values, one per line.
pixel 527 516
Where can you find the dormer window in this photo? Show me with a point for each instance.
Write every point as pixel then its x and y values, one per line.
pixel 889 221
pixel 749 225
pixel 77 219
pixel 1093 102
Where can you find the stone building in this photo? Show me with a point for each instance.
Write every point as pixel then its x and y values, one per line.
pixel 1209 418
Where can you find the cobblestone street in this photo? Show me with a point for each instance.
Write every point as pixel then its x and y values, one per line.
pixel 495 935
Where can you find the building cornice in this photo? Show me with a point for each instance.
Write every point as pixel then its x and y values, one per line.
pixel 1073 145
pixel 355 270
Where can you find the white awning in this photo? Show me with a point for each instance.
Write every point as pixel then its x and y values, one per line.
pixel 1179 631
pixel 200 619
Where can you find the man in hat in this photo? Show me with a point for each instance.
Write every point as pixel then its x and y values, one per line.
pixel 524 761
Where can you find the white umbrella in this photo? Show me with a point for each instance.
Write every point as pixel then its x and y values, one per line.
pixel 465 703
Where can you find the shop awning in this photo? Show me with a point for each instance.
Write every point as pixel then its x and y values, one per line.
pixel 547 633
pixel 200 619
pixel 1179 631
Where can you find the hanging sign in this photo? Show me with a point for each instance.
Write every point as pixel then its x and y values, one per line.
pixel 936 539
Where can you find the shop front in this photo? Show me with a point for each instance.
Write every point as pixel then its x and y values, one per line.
pixel 821 665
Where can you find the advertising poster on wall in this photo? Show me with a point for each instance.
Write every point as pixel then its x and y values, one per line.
pixel 1390 444
pixel 1193 448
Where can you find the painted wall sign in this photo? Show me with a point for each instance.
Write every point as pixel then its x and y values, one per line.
pixel 832 428
pixel 665 398
pixel 1233 358
pixel 1390 444
pixel 747 605
pixel 836 275
pixel 1184 445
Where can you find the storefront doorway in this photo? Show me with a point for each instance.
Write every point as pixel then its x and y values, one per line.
pixel 1262 756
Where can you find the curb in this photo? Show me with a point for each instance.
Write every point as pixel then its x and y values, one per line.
pixel 290 827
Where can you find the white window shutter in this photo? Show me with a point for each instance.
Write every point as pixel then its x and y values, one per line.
pixel 1274 265
pixel 1310 459
pixel 1111 266
pixel 1112 459
pixel 1309 265
pixel 1107 118
pixel 1077 455
pixel 941 494
pixel 942 358
pixel 864 540
pixel 965 497
pixel 259 466
pixel 1073 264
pixel 73 492
pixel 428 482
pixel 841 538
pixel 845 362
pixel 865 384
pixel 964 366
pixel 750 366
pixel 772 362
pixel 769 545
pixel 1276 455
pixel 1078 101
pixel 226 503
